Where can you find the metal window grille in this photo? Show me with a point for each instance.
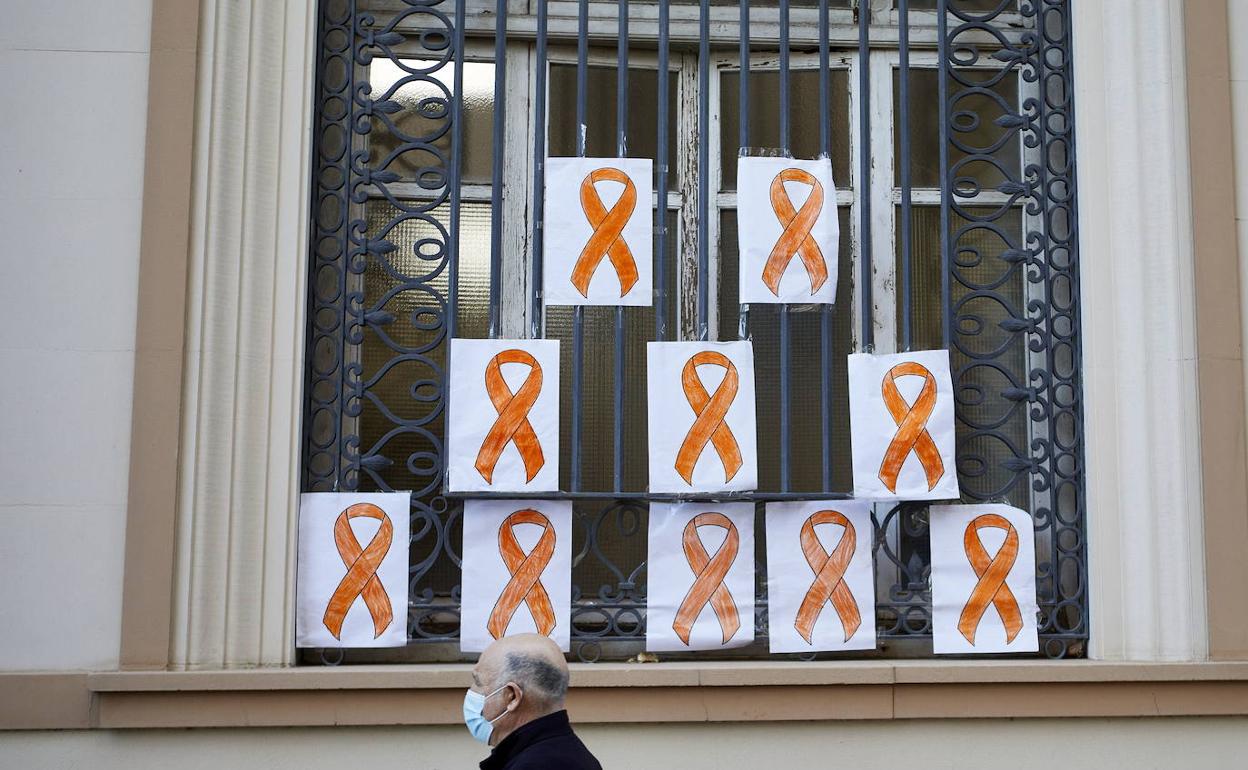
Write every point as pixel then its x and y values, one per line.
pixel 985 263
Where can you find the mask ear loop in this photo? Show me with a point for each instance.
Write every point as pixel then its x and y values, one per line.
pixel 505 711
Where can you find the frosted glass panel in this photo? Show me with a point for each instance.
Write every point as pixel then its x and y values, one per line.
pixel 803 118
pixel 423 115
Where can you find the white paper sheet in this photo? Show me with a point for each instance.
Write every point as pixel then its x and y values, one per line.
pixel 719 455
pixel 477 425
pixel 912 380
pixel 803 193
pixel 533 535
pixel 340 605
pixel 585 195
pixel 840 611
pixel 678 617
pixel 956 583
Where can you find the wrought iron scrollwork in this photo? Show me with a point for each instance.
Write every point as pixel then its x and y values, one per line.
pixel 1015 314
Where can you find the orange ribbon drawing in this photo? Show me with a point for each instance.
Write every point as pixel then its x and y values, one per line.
pixel 607 239
pixel 911 419
pixel 362 563
pixel 710 412
pixel 991 587
pixel 795 239
pixel 512 425
pixel 525 584
pixel 829 583
pixel 709 573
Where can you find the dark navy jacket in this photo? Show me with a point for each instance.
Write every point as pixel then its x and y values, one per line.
pixel 546 743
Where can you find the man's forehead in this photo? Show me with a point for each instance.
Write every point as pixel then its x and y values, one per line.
pixel 485 664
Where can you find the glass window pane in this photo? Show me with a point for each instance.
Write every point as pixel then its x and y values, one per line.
pixel 598 385
pixel 982 137
pixel 980 247
pixel 600 131
pixel 805 383
pixel 423 114
pixel 765 118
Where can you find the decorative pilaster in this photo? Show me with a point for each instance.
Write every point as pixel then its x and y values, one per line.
pixel 239 463
pixel 1143 430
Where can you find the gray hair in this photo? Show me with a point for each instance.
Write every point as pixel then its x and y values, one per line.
pixel 536 676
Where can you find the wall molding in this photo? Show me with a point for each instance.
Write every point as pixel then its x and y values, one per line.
pixel 1219 322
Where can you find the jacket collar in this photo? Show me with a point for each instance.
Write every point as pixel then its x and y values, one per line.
pixel 524 736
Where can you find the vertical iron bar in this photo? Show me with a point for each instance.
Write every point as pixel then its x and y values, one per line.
pixel 743 64
pixel 660 225
pixel 578 313
pixel 903 95
pixel 825 311
pixel 457 111
pixel 539 176
pixel 864 182
pixel 496 192
pixel 704 162
pixel 621 149
pixel 452 255
pixel 785 351
pixel 942 86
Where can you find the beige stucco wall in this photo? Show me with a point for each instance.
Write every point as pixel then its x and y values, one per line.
pixel 1018 745
pixel 74 89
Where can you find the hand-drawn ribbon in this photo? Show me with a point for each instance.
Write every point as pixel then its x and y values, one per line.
pixel 829 583
pixel 710 413
pixel 525 584
pixel 991 587
pixel 709 573
pixel 362 563
pixel 513 423
pixel 911 419
pixel 795 239
pixel 607 239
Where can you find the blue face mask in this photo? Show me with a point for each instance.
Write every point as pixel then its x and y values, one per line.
pixel 474 704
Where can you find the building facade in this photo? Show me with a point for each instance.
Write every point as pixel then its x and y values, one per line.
pixel 178 384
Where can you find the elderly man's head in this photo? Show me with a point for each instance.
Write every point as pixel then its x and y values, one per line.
pixel 522 677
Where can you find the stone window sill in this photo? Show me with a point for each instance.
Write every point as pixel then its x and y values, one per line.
pixel 629 693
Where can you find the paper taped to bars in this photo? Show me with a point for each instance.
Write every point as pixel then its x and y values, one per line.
pixel 517 578
pixel 788 231
pixel 701 412
pixel 820 576
pixel 352 570
pixel 700 562
pixel 598 223
pixel 902 426
pixel 983 579
pixel 503 423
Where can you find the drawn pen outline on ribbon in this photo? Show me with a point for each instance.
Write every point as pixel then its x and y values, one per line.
pixel 710 422
pixel 710 574
pixel 991 588
pixel 796 239
pixel 912 436
pixel 830 583
pixel 362 562
pixel 524 584
pixel 607 241
pixel 512 425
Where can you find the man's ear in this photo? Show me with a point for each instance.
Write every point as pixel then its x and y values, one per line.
pixel 517 695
